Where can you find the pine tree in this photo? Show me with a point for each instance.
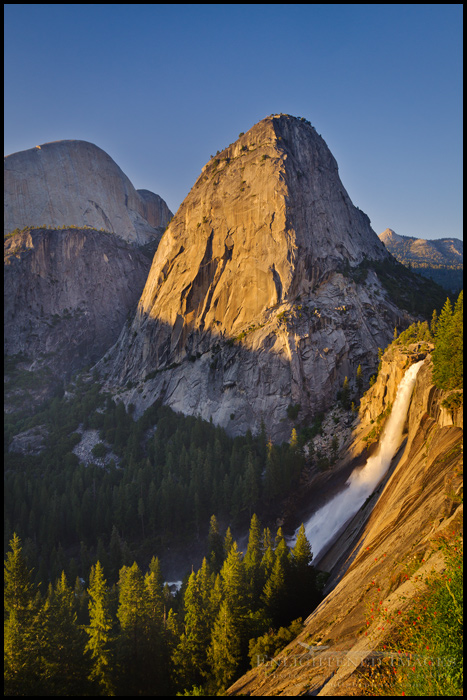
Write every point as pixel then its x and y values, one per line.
pixel 273 476
pixel 359 380
pixel 191 654
pixel 301 553
pixel 155 654
pixel 276 593
pixel 224 652
pixel 131 614
pixel 294 462
pixel 23 627
pixel 234 583
pixel 215 597
pixel 115 556
pixel 262 444
pixel 172 634
pixel 64 668
pixel 252 562
pixel 294 439
pixel 154 583
pixel 251 483
pixel 18 589
pixel 434 323
pixel 81 602
pixel 303 577
pixel 345 393
pixel 267 561
pixel 447 355
pixel 228 543
pixel 205 578
pixel 215 546
pixel 99 632
pixel 279 539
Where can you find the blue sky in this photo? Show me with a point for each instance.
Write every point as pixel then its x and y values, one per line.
pixel 162 87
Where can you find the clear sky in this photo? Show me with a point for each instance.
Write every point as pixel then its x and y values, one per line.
pixel 161 88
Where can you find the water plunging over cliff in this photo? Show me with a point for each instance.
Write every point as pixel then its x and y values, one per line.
pixel 328 520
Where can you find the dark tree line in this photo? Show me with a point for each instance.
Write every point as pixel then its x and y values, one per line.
pixel 135 638
pixel 170 474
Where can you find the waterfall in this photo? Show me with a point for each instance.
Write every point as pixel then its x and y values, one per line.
pixel 328 520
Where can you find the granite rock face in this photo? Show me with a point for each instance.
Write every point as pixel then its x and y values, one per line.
pixel 74 183
pixel 386 552
pixel 249 306
pixel 67 295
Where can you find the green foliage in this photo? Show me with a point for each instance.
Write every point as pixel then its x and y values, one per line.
pixel 197 690
pixel 224 651
pixel 293 410
pixel 418 332
pixel 64 666
pixel 99 450
pixel 268 645
pixel 170 473
pixel 215 546
pixel 431 636
pixel 377 429
pixel 137 639
pixel 45 227
pixel 18 590
pixel 99 632
pixel 345 394
pixel 252 561
pixel 407 289
pixel 453 401
pixel 448 353
pixel 449 277
pixel 23 635
pixel 282 469
pixel 125 633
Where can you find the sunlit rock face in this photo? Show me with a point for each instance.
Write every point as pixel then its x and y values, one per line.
pixel 385 557
pixel 247 309
pixel 74 183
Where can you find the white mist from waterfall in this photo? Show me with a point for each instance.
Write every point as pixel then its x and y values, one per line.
pixel 327 521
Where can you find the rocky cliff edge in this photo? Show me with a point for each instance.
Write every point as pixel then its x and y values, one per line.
pixel 382 557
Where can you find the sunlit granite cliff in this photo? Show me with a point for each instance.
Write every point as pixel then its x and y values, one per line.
pixel 262 293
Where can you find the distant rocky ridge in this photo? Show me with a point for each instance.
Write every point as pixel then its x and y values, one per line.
pixel 253 302
pixel 75 183
pixel 442 260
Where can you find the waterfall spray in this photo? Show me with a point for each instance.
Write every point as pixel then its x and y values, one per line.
pixel 327 521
